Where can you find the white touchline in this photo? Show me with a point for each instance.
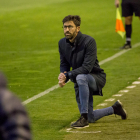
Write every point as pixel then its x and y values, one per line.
pixel 57 86
pixel 136 82
pixel 102 104
pixel 70 130
pixel 118 95
pixel 84 131
pixel 123 90
pixel 110 100
pixel 118 54
pixel 40 94
pixel 131 87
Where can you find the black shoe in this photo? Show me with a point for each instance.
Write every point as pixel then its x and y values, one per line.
pixel 118 110
pixel 80 123
pixel 126 46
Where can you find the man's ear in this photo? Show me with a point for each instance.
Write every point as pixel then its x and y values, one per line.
pixel 78 28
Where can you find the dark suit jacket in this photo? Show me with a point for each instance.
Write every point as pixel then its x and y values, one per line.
pixel 82 57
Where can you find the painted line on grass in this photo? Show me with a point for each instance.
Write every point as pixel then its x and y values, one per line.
pixel 40 94
pixel 70 130
pixel 131 87
pixel 118 54
pixel 110 100
pixel 90 132
pixel 102 104
pixel 136 82
pixel 57 86
pixel 118 95
pixel 122 91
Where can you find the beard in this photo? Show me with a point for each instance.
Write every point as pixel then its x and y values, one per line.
pixel 69 35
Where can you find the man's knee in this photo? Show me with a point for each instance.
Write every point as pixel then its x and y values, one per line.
pixel 128 20
pixel 81 79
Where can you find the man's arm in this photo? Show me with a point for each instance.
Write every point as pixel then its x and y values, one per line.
pixel 64 68
pixel 64 64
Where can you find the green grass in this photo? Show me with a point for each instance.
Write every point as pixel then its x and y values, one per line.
pixel 29 35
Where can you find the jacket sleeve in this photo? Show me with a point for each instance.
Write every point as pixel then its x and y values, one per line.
pixel 64 64
pixel 90 57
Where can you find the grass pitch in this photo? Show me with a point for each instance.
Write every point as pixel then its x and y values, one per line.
pixel 29 35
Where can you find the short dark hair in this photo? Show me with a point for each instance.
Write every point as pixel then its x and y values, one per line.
pixel 75 18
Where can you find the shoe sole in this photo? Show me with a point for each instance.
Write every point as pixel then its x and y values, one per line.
pixel 80 127
pixel 126 47
pixel 123 110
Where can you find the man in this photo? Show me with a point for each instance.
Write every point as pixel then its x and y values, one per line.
pixel 79 51
pixel 14 121
pixel 128 8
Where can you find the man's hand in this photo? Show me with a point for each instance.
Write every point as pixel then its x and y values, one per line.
pixel 62 79
pixel 61 83
pixel 117 3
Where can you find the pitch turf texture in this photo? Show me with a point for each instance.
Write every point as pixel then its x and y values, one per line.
pixel 29 35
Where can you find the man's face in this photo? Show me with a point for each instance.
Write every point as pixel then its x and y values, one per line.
pixel 70 30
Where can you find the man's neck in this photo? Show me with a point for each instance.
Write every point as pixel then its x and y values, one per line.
pixel 72 40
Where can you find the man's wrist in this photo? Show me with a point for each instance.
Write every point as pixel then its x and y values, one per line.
pixel 68 75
